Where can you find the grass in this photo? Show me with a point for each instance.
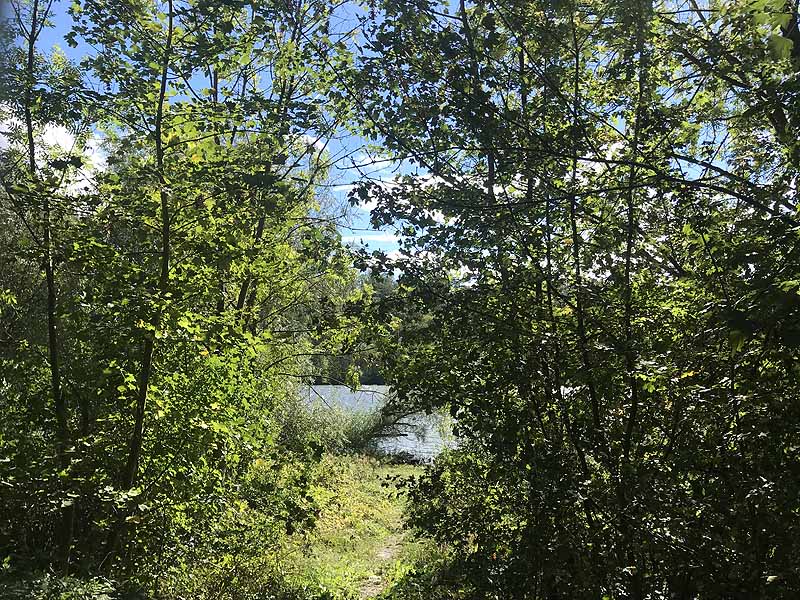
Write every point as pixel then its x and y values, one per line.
pixel 359 544
pixel 359 549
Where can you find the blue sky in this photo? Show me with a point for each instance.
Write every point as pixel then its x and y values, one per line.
pixel 351 157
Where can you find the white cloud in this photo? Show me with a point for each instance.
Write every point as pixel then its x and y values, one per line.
pixel 94 154
pixel 394 254
pixel 58 137
pixel 312 140
pixel 7 125
pixel 57 140
pixel 436 215
pixel 55 137
pixel 94 161
pixel 368 205
pixel 374 166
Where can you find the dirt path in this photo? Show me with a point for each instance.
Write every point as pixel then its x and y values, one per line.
pixel 375 584
pixel 360 539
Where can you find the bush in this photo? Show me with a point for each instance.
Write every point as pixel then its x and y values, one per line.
pixel 49 587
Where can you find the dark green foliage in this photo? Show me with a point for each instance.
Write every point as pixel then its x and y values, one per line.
pixel 602 235
pixel 47 587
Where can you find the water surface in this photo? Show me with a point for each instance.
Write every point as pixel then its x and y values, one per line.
pixel 424 438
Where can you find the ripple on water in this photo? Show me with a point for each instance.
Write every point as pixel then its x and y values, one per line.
pixel 423 440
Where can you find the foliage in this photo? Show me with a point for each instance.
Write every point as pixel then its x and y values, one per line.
pixel 47 587
pixel 600 225
pixel 360 530
pixel 598 278
pixel 357 511
pixel 168 273
pixel 430 571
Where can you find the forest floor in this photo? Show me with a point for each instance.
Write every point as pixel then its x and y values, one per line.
pixel 360 545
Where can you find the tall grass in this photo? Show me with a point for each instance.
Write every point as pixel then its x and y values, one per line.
pixel 344 431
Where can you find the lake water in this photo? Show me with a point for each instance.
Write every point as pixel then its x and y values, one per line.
pixel 427 436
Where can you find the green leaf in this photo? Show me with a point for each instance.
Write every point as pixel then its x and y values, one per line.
pixel 780 46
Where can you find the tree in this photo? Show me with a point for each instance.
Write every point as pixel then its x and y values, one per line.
pixel 594 231
pixel 196 276
pixel 35 96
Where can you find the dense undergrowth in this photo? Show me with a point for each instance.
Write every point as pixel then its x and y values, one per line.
pixel 359 547
pixel 593 264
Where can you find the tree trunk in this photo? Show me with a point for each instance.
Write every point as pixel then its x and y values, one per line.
pixel 64 532
pixel 131 470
